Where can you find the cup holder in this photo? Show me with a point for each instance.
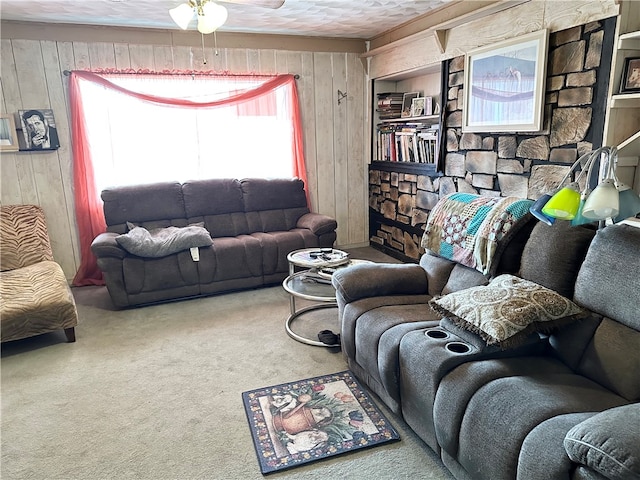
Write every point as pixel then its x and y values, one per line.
pixel 436 333
pixel 458 347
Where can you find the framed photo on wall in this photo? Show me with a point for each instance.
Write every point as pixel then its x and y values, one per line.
pixel 8 134
pixel 38 130
pixel 504 85
pixel 631 76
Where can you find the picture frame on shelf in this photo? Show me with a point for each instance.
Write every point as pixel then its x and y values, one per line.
pixel 630 76
pixel 8 134
pixel 38 130
pixel 417 106
pixel 407 102
pixel 504 85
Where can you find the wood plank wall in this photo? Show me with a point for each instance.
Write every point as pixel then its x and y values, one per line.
pixel 32 77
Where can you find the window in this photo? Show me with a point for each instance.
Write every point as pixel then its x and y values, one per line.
pixel 134 141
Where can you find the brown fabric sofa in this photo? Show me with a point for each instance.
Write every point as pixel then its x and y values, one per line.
pixel 35 297
pixel 561 406
pixel 253 223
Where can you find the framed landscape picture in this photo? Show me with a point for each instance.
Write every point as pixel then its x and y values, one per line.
pixel 8 134
pixel 504 85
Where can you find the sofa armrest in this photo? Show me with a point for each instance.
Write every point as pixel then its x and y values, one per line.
pixel 608 443
pixel 318 224
pixel 379 279
pixel 105 245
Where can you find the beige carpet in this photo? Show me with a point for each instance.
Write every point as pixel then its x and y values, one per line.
pixel 155 393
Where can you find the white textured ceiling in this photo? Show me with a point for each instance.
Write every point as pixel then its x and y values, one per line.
pixel 325 18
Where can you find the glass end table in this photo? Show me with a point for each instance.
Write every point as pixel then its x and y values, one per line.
pixel 313 283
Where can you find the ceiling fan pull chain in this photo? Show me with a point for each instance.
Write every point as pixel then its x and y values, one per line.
pixel 204 56
pixel 215 43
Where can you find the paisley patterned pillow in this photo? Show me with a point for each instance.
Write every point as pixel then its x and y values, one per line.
pixel 506 310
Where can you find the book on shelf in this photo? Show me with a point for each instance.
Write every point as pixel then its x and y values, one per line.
pixel 389 105
pixel 407 143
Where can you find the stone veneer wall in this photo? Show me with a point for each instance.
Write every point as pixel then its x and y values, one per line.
pixel 523 165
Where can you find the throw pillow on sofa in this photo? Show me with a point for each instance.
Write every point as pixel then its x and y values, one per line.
pixel 506 310
pixel 161 242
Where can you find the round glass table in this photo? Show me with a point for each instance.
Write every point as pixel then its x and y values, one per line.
pixel 313 283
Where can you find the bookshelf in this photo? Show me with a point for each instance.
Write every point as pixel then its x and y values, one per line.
pixel 408 144
pixel 404 158
pixel 622 123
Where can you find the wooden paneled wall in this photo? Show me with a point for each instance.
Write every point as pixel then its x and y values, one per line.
pixel 32 77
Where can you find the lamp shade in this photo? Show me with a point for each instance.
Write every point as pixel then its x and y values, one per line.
pixel 579 219
pixel 629 203
pixel 564 204
pixel 182 15
pixel 213 16
pixel 536 209
pixel 603 202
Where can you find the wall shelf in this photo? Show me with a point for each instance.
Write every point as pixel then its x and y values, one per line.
pixel 423 119
pixel 630 147
pixel 428 169
pixel 625 100
pixel 629 41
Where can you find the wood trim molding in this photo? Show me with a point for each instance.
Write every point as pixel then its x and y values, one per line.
pixel 439 22
pixel 94 33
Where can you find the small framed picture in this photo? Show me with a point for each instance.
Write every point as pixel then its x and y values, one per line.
pixel 8 134
pixel 422 106
pixel 38 129
pixel 631 75
pixel 407 102
pixel 417 107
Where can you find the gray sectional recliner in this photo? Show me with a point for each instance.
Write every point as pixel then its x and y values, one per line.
pixel 254 224
pixel 557 406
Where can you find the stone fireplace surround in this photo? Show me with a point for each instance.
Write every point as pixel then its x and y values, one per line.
pixel 502 164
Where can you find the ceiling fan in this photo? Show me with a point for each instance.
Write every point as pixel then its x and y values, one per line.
pixel 210 14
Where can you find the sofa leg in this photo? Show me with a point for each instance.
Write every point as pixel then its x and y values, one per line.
pixel 71 334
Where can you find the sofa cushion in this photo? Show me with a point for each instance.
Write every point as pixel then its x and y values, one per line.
pixel 273 194
pixel 507 309
pixel 608 279
pixel 163 241
pixel 212 197
pixel 438 270
pixel 612 359
pixel 142 203
pixel 553 255
pixel 25 239
pixel 608 442
pixel 35 299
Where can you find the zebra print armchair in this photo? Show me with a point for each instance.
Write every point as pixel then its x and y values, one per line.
pixel 35 297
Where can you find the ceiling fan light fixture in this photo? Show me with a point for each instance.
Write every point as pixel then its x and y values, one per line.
pixel 182 15
pixel 211 16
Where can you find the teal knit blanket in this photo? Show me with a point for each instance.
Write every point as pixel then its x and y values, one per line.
pixel 469 229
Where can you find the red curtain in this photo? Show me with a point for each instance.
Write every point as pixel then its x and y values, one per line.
pixel 88 205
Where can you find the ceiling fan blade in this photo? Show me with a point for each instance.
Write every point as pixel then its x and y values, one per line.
pixel 257 3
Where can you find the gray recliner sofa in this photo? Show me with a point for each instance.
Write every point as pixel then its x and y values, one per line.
pixel 558 406
pixel 253 223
